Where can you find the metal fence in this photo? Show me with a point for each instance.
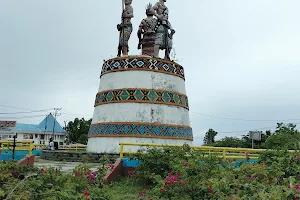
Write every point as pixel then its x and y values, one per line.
pixel 222 152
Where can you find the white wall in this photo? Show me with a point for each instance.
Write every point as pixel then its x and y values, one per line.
pixel 142 79
pixel 141 112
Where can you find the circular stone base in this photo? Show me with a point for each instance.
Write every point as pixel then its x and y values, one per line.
pixel 76 156
pixel 111 145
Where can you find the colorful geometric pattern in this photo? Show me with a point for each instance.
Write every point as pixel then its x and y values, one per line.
pixel 142 63
pixel 141 130
pixel 141 96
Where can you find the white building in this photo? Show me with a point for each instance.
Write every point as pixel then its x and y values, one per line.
pixel 38 133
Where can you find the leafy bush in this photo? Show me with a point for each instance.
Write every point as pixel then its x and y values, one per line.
pixel 183 173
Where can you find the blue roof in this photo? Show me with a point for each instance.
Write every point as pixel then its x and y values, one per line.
pixel 47 123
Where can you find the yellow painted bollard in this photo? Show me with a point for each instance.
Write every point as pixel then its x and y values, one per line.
pixel 30 148
pixel 121 150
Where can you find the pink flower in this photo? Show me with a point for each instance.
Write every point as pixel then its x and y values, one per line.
pixel 86 193
pixel 186 164
pixel 92 181
pixel 141 195
pixel 94 174
pixel 42 169
pixel 210 189
pixel 289 187
pixel 297 187
pixel 130 173
pixel 162 189
pixel 87 173
pixel 111 166
pixel 298 157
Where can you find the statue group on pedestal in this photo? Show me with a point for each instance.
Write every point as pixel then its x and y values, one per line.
pixel 155 31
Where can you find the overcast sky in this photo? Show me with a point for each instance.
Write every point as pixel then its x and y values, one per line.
pixel 241 58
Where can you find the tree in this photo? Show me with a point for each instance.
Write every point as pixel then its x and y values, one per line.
pixel 233 142
pixel 286 136
pixel 77 130
pixel 210 136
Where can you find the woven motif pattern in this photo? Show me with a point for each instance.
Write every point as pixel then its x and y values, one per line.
pixel 143 130
pixel 142 63
pixel 141 96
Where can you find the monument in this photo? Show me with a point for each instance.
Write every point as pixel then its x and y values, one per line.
pixel 141 99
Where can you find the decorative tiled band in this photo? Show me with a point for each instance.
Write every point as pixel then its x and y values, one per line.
pixel 141 130
pixel 141 96
pixel 142 63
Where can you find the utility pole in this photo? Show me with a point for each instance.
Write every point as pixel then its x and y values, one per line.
pixel 56 114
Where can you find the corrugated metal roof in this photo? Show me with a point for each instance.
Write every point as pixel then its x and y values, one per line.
pixel 47 124
pixel 32 128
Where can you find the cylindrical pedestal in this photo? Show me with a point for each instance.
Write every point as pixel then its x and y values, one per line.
pixel 141 100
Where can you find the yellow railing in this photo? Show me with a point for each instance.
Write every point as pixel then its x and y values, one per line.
pixel 29 145
pixel 20 145
pixel 222 152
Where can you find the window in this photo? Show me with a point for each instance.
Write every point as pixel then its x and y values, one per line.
pixel 28 136
pixel 4 136
pixel 36 135
pixel 61 143
pixel 42 137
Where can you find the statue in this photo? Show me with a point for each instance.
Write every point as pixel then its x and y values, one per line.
pixel 163 38
pixel 125 28
pixel 147 30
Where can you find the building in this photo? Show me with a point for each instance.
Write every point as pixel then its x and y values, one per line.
pixel 38 133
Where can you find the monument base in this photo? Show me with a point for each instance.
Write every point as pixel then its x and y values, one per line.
pixel 111 145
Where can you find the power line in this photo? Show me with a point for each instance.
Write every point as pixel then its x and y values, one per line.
pixel 21 108
pixel 67 113
pixel 33 111
pixel 23 117
pixel 240 119
pixel 251 129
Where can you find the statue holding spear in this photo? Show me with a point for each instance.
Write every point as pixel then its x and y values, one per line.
pixel 125 28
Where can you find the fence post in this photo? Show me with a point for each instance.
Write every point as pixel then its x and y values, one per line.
pixel 121 150
pixel 30 148
pixel 14 147
pixel 224 153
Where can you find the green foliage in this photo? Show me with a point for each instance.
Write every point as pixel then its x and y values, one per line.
pixel 51 183
pixel 285 137
pixel 183 173
pixel 77 130
pixel 12 166
pixel 210 136
pixel 232 142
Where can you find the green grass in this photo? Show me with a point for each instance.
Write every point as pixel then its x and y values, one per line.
pixel 124 188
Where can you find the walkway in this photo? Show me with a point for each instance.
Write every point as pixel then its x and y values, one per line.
pixel 66 167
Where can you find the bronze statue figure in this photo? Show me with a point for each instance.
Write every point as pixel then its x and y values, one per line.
pixel 125 28
pixel 146 32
